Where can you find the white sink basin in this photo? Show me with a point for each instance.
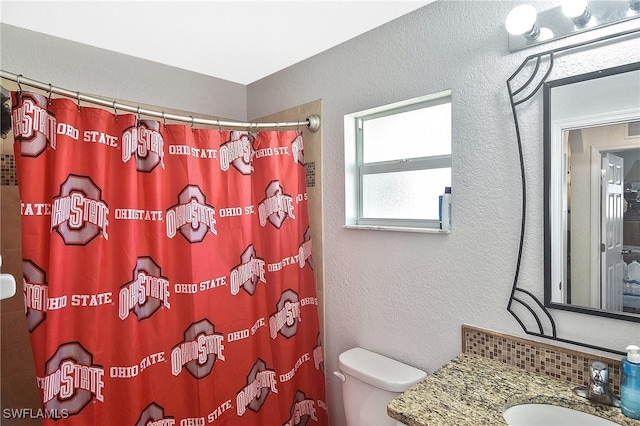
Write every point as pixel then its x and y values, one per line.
pixel 548 415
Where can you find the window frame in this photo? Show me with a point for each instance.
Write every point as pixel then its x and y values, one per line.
pixel 390 166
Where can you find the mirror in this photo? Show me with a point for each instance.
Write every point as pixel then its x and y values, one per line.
pixel 592 192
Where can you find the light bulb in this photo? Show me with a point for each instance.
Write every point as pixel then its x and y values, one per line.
pixel 545 34
pixel 522 21
pixel 578 12
pixel 574 8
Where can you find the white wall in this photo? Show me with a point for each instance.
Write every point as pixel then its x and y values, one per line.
pixel 406 295
pixel 79 67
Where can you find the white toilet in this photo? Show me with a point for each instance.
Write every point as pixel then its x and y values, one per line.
pixel 369 382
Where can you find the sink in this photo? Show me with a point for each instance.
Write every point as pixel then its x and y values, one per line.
pixel 547 415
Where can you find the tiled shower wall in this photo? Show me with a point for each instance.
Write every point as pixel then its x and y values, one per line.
pixel 561 363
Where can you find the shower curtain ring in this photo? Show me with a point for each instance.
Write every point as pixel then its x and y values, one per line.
pixel 138 116
pixel 78 99
pixel 219 126
pixel 164 120
pixel 115 110
pixel 191 122
pixel 50 93
pixel 19 85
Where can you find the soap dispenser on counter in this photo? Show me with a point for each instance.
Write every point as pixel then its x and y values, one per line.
pixel 630 383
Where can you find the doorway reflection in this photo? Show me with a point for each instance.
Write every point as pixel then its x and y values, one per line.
pixel 603 217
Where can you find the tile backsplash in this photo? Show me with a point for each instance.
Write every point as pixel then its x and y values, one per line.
pixel 8 170
pixel 562 363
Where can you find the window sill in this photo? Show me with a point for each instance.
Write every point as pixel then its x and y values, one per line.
pixel 397 229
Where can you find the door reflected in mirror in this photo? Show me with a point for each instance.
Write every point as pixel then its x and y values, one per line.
pixel 592 191
pixel 606 205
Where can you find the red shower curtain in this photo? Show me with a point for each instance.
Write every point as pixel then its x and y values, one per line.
pixel 168 271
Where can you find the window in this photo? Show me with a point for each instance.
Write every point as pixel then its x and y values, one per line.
pixel 398 163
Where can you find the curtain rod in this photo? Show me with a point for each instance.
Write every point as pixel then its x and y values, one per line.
pixel 312 122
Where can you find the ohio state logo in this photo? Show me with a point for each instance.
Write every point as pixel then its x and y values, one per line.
pixel 297 149
pixel 261 381
pixel 201 347
pixel 145 143
pixel 287 316
pixel 192 217
pixel 148 291
pixel 33 126
pixel 248 273
pixel 36 295
pixel 78 212
pixel 153 415
pixel 304 251
pixel 71 379
pixel 35 291
pixel 237 152
pixel 302 410
pixel 276 206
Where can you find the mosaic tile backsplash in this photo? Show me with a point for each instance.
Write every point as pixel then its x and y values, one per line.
pixel 8 170
pixel 310 174
pixel 562 363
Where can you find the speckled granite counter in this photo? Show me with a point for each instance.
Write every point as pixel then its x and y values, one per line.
pixel 474 390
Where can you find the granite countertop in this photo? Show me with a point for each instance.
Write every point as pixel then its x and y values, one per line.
pixel 474 390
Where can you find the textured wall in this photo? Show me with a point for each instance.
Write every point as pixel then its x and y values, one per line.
pixel 406 295
pixel 79 67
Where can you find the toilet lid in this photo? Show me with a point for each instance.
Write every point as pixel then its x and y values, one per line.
pixel 379 370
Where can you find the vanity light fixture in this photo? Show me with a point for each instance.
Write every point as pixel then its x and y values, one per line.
pixel 528 27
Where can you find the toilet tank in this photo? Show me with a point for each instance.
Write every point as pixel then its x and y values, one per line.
pixel 371 381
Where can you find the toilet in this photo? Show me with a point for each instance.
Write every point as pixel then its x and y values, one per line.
pixel 369 382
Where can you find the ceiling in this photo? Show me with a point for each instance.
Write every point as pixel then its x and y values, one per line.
pixel 239 41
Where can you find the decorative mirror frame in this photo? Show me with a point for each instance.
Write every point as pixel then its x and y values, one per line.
pixel 620 69
pixel 521 89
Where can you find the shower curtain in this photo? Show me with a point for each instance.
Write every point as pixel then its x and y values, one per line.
pixel 168 271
